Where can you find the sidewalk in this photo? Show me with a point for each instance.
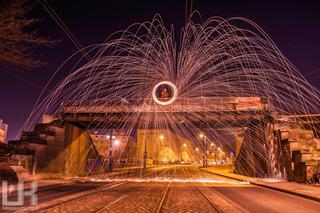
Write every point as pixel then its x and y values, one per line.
pixel 40 183
pixel 302 190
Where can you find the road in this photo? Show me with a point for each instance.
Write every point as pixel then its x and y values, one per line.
pixel 168 189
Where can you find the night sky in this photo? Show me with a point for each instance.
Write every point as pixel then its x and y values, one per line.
pixel 294 27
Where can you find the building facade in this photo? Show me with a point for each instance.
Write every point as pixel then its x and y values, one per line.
pixel 3 132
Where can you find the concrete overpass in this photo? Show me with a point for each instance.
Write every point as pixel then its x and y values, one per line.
pixel 202 112
pixel 68 128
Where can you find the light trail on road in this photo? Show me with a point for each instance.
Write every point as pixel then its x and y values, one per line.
pixel 221 195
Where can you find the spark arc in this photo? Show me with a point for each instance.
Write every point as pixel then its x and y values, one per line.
pixel 165 101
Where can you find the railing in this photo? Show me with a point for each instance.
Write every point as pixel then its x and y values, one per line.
pixel 201 104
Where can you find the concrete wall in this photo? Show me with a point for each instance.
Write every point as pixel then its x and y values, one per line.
pixel 51 158
pixel 77 150
pixel 252 156
pixel 66 152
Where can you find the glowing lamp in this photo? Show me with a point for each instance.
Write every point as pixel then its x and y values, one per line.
pixel 116 142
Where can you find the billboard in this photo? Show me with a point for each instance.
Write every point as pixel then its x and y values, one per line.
pixel 248 103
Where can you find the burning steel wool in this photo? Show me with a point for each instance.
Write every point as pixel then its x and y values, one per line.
pixel 182 98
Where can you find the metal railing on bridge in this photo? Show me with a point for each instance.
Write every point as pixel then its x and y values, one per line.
pixel 201 104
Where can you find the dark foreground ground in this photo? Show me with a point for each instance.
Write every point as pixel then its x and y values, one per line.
pixel 165 189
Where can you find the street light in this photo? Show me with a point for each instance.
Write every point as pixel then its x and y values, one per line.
pixel 108 137
pixel 194 157
pixel 116 142
pixel 158 146
pixel 183 146
pixel 110 158
pixel 223 155
pixel 204 155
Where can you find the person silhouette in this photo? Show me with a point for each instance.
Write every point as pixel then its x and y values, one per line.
pixel 164 93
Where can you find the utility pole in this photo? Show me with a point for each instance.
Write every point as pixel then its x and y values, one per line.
pixel 110 160
pixel 180 153
pixel 204 151
pixel 145 153
pixel 205 154
pixel 215 154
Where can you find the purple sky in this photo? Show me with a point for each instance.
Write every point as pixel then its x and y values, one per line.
pixel 294 27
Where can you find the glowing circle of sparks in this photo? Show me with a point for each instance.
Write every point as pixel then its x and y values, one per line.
pixel 171 100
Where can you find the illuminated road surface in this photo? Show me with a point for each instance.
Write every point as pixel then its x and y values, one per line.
pixel 189 190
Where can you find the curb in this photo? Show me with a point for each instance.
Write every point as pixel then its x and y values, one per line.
pixel 266 186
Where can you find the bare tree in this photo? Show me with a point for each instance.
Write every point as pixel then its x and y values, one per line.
pixel 18 37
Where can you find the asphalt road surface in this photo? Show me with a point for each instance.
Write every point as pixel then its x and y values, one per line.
pixel 167 189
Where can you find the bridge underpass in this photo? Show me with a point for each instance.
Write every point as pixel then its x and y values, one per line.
pixel 259 145
pixel 70 137
pixel 62 139
pixel 206 116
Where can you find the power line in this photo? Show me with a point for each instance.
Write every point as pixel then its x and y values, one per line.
pixel 63 27
pixel 311 73
pixel 188 11
pixel 59 21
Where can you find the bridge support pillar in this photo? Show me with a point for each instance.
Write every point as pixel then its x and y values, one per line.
pixel 64 149
pixel 77 150
pixel 252 159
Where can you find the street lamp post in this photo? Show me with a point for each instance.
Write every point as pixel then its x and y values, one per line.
pixel 204 153
pixel 215 152
pixel 195 154
pixel 158 147
pixel 215 155
pixel 181 149
pixel 145 153
pixel 110 159
pixel 218 149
